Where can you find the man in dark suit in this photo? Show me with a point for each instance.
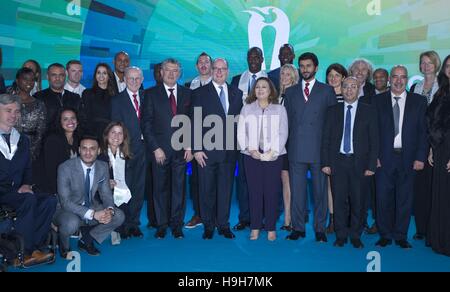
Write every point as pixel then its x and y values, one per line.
pixel 34 211
pixel 245 82
pixel 349 155
pixel 126 108
pixel 56 97
pixel 403 150
pixel 216 156
pixel 86 200
pixel 162 103
pixel 286 55
pixel 307 104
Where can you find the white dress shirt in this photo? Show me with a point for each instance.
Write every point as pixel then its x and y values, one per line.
pixel 353 113
pixel 90 213
pixel 175 92
pixel 121 85
pixel 225 89
pixel 401 103
pixel 311 85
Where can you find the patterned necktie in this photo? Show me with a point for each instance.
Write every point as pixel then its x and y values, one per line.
pixel 136 106
pixel 222 99
pixel 173 103
pixel 306 95
pixel 396 111
pixel 251 83
pixel 87 189
pixel 7 140
pixel 348 129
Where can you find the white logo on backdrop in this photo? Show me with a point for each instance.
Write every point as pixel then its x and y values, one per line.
pixel 257 23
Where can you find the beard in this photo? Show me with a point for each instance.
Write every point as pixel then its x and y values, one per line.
pixel 308 75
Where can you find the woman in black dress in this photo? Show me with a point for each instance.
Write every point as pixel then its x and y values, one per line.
pixel 96 101
pixel 438 117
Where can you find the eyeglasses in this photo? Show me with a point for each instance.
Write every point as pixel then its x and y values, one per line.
pixel 220 69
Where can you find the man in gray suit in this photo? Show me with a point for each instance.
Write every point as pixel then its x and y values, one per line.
pixel 306 104
pixel 86 200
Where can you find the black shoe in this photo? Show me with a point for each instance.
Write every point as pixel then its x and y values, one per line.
pixel 286 227
pixel 151 225
pixel 321 237
pixel 178 234
pixel 227 233
pixel 89 248
pixel 340 242
pixel 64 252
pixel 403 244
pixel 382 242
pixel 371 230
pixel 356 242
pixel 241 226
pixel 136 232
pixel 296 235
pixel 419 236
pixel 161 233
pixel 208 234
pixel 124 234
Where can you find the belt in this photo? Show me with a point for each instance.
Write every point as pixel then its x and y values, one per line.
pixel 397 150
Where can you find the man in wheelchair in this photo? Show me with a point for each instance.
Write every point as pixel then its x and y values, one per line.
pixel 34 212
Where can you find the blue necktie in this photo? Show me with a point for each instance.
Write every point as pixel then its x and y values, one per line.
pixel 251 83
pixel 222 99
pixel 87 189
pixel 348 130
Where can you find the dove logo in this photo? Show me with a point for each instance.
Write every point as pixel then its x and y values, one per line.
pixel 256 24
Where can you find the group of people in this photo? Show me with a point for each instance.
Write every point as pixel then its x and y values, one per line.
pixel 83 160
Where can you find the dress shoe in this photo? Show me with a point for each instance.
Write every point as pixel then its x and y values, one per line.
pixel 208 234
pixel 124 233
pixel 419 236
pixel 64 253
pixel 136 232
pixel 271 236
pixel 178 234
pixel 194 222
pixel 89 248
pixel 403 243
pixel 151 225
pixel 321 237
pixel 382 242
pixel 254 234
pixel 372 230
pixel 286 227
pixel 42 257
pixel 356 242
pixel 241 226
pixel 161 233
pixel 340 242
pixel 296 235
pixel 227 233
pixel 330 228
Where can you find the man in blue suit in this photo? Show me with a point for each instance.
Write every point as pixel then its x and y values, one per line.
pixel 403 150
pixel 286 55
pixel 216 164
pixel 307 104
pixel 126 108
pixel 34 211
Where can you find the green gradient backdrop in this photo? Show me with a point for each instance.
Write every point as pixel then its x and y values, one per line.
pixel 336 30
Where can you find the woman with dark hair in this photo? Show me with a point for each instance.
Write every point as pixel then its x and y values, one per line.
pixel 34 65
pixel 96 101
pixel 262 135
pixel 116 151
pixel 438 118
pixel 32 121
pixel 59 147
pixel 335 74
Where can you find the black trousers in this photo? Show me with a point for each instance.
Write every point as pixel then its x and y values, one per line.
pixel 347 199
pixel 194 188
pixel 137 186
pixel 34 216
pixel 169 192
pixel 422 198
pixel 216 185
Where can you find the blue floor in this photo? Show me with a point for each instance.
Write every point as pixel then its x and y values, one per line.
pixel 193 254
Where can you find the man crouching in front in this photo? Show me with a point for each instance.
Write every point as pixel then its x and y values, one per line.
pixel 86 200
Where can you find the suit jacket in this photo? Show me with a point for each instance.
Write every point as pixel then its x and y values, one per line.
pixel 414 133
pixel 2 84
pixel 157 117
pixel 71 187
pixel 274 76
pixel 369 89
pixel 122 110
pixel 207 99
pixel 365 137
pixel 235 80
pixel 16 172
pixel 306 121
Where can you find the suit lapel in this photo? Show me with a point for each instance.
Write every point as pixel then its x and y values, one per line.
pixel 340 121
pixel 390 112
pixel 97 178
pixel 79 174
pixel 130 105
pixel 216 100
pixel 408 109
pixel 180 99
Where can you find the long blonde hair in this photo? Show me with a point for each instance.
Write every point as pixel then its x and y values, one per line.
pixel 294 75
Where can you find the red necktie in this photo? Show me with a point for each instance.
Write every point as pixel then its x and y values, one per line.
pixel 306 91
pixel 136 106
pixel 173 103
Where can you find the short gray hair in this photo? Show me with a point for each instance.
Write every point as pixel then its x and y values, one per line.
pixel 399 67
pixel 128 69
pixel 6 99
pixel 171 61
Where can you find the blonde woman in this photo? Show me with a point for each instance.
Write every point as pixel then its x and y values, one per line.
pixel 288 77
